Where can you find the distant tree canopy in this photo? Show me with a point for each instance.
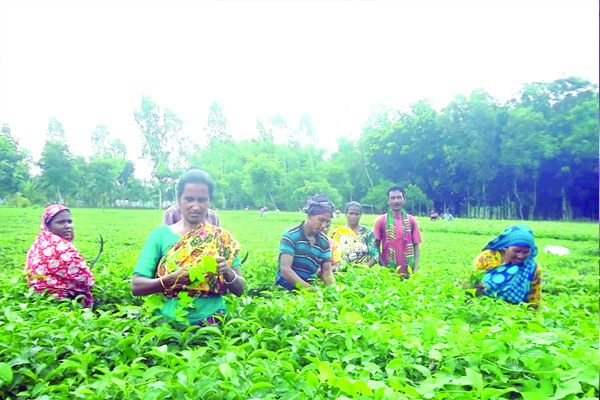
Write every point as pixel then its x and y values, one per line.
pixel 533 157
pixel 14 171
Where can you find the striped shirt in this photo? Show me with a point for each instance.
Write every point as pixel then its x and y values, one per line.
pixel 307 257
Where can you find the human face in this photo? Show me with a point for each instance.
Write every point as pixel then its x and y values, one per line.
pixel 396 200
pixel 318 223
pixel 516 254
pixel 62 225
pixel 194 203
pixel 353 216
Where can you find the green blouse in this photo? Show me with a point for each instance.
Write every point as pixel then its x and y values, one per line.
pixel 157 245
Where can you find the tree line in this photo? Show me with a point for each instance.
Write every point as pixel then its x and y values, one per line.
pixel 534 156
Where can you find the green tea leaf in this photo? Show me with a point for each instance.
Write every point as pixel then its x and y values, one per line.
pixel 152 303
pixel 435 354
pixel 351 317
pixel 152 371
pixel 567 388
pixel 475 378
pixel 533 396
pixel 409 390
pixel 196 274
pixel 259 386
pixel 210 264
pixel 184 299
pixel 225 370
pixel 6 373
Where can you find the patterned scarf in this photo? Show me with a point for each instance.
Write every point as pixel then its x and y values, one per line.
pixel 206 240
pixel 512 282
pixel 390 234
pixel 53 264
pixel 353 247
pixel 318 204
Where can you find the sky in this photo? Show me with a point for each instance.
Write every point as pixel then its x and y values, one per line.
pixel 89 62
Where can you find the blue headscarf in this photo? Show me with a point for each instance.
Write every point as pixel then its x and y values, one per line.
pixel 512 282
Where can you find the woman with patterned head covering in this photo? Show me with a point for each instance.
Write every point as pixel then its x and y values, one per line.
pixel 507 268
pixel 304 252
pixel 357 242
pixel 192 262
pixel 53 264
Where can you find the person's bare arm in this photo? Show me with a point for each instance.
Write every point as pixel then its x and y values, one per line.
pixel 327 273
pixel 334 266
pixel 417 254
pixel 380 249
pixel 232 275
pixel 143 286
pixel 288 273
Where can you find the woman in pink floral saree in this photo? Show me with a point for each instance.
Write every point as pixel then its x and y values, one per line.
pixel 53 264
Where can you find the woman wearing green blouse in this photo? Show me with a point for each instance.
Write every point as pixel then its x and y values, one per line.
pixel 171 251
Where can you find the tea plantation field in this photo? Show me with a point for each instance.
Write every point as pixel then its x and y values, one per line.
pixel 372 336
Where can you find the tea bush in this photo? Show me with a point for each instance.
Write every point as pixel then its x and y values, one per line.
pixel 371 336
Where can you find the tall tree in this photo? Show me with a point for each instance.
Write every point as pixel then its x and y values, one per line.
pixel 216 127
pixel 575 126
pixel 100 141
pixel 55 130
pixel 161 143
pixel 58 172
pixel 103 174
pixel 14 171
pixel 308 133
pixel 281 133
pixel 117 149
pixel 525 144
pixel 263 174
pixel 404 146
pixel 59 175
pixel 347 172
pixel 470 137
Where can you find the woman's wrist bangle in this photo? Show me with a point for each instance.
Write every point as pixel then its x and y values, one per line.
pixel 162 283
pixel 175 283
pixel 233 280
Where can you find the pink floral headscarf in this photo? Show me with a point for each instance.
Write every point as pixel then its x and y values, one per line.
pixel 55 265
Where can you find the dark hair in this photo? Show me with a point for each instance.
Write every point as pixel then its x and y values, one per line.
pixel 195 175
pixel 353 204
pixel 396 188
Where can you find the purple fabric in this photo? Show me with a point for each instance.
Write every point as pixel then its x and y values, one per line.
pixel 173 215
pixel 318 210
pixel 318 204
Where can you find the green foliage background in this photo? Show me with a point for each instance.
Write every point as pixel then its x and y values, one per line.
pixel 372 336
pixel 534 156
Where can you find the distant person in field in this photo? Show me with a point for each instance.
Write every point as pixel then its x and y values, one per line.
pixel 447 216
pixel 263 212
pixel 397 236
pixel 172 250
pixel 53 264
pixel 357 242
pixel 507 269
pixel 304 249
pixel 433 215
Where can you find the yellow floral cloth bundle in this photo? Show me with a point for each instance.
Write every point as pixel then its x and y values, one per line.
pixel 188 252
